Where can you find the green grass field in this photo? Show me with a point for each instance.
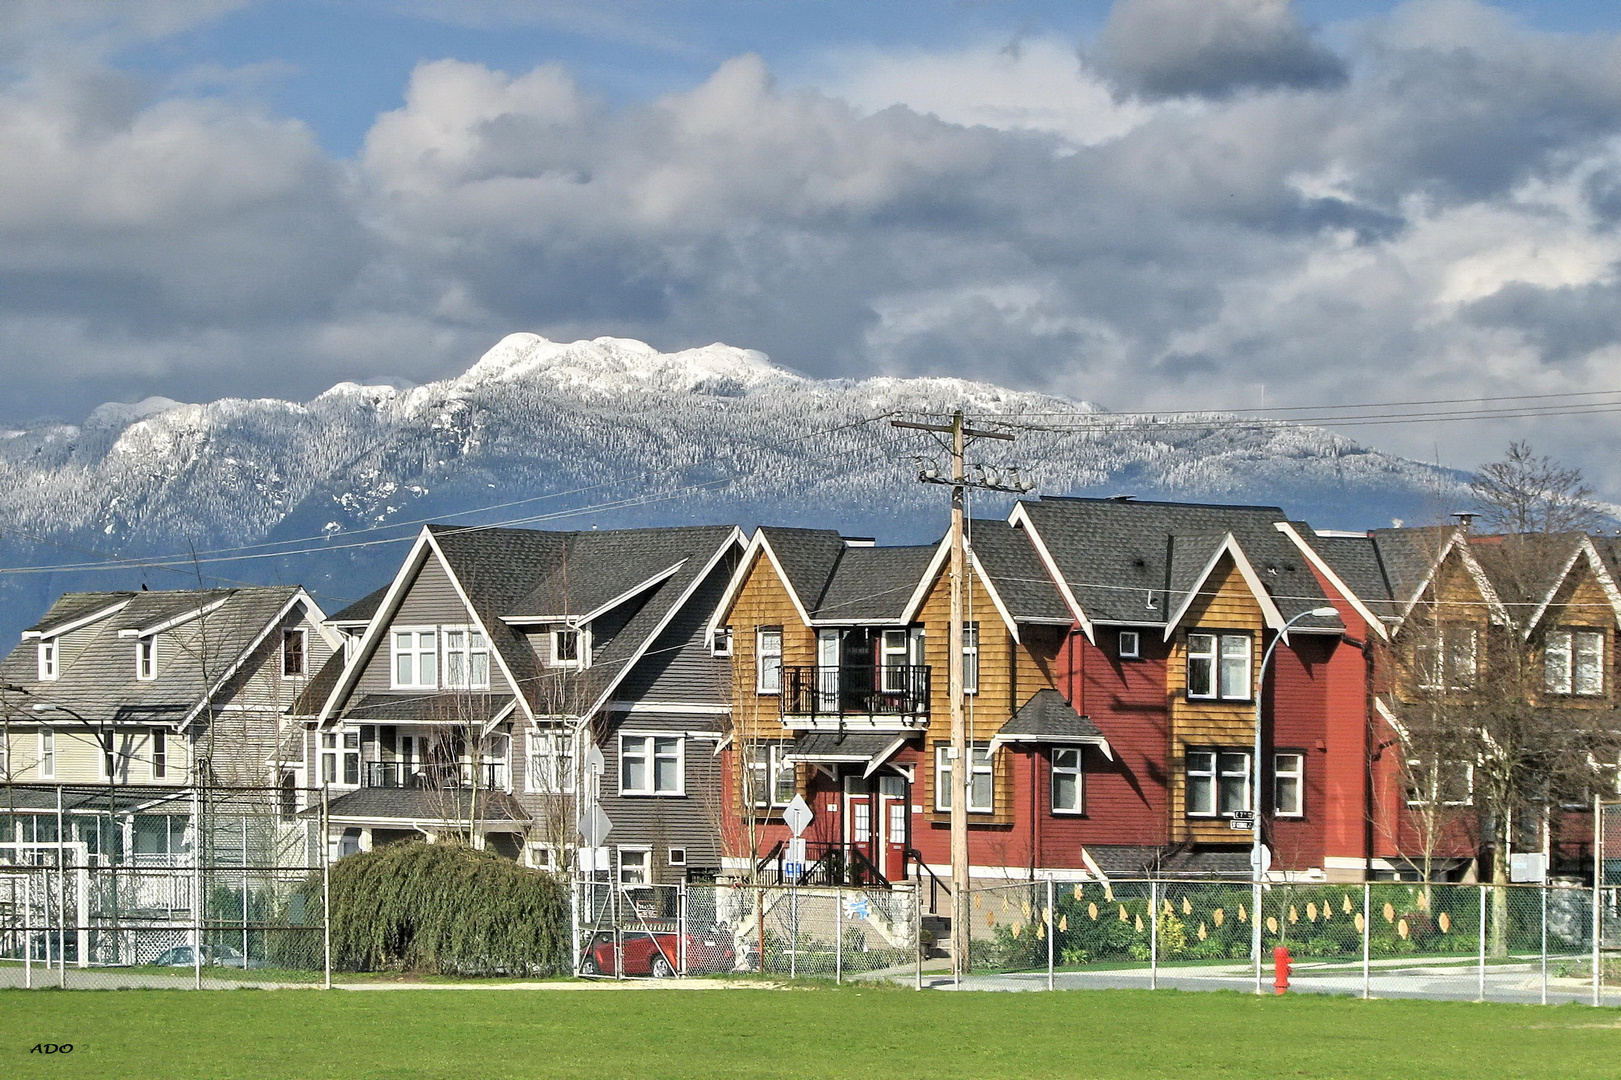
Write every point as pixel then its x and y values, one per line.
pixel 867 1032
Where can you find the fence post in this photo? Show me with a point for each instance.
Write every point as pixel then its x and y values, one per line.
pixel 1255 919
pixel 1598 896
pixel 197 888
pixel 1367 935
pixel 28 938
pixel 917 927
pixel 838 936
pixel 326 895
pixel 61 897
pixel 615 913
pixel 1153 935
pixel 1480 987
pixel 681 924
pixel 793 931
pixel 1544 892
pixel 1052 932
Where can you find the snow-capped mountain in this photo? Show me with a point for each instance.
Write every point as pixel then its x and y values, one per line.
pixel 604 433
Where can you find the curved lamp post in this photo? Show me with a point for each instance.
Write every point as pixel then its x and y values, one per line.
pixel 1257 866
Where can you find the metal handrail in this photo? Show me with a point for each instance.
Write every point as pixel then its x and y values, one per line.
pixel 856 690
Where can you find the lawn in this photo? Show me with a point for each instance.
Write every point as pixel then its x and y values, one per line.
pixel 857 1032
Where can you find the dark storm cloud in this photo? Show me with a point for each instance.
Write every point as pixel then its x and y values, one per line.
pixel 1159 49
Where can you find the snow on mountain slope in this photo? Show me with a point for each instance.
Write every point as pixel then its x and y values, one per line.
pixel 607 433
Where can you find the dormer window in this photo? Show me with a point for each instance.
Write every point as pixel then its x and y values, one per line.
pixel 292 654
pixel 47 659
pixel 720 641
pixel 1131 645
pixel 146 658
pixel 567 647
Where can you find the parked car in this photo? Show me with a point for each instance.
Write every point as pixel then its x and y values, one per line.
pixel 213 956
pixel 658 954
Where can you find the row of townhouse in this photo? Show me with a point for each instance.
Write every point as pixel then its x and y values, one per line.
pixel 692 682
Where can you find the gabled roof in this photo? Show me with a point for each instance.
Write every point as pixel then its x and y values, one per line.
pixel 77 609
pixel 831 581
pixel 1528 570
pixel 199 660
pixel 1048 718
pixel 513 575
pixel 1136 563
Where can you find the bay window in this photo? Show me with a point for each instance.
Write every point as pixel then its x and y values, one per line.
pixel 1219 666
pixel 1218 782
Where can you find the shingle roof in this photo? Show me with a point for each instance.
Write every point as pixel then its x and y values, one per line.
pixel 419 707
pixel 1016 571
pixel 309 700
pixel 808 558
pixel 425 804
pixel 70 607
pixel 1525 569
pixel 862 747
pixel 1116 556
pixel 361 610
pixel 1048 717
pixel 98 680
pixel 872 582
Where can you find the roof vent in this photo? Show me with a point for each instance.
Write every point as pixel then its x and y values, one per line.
pixel 860 541
pixel 1466 518
pixel 1139 562
pixel 1122 498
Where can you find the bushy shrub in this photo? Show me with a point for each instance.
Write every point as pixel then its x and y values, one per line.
pixel 445 909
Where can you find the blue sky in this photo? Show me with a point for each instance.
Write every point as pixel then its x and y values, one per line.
pixel 1145 203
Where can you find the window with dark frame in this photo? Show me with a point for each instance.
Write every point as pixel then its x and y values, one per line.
pixel 566 646
pixel 292 653
pixel 1289 784
pixel 1130 645
pixel 160 753
pixel 146 658
pixel 1067 781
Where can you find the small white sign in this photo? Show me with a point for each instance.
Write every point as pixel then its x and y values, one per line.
pixel 1529 866
pixel 796 850
pixel 1240 825
pixel 1266 858
pixel 797 816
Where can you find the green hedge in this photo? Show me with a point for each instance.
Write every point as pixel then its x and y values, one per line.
pixel 446 909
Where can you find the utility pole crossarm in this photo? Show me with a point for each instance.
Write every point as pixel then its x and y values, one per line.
pixel 948 429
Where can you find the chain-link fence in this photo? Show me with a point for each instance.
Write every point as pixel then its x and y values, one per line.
pixel 1522 943
pixel 116 887
pixel 629 931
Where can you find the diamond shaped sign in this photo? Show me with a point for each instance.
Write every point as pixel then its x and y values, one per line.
pixel 594 826
pixel 797 816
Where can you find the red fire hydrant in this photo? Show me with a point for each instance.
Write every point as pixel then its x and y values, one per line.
pixel 1280 969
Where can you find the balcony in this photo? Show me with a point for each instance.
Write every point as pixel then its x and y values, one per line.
pixel 492 775
pixel 899 692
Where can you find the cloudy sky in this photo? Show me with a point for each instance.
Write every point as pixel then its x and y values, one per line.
pixel 1148 204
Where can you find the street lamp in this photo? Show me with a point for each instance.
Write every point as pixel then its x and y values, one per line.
pixel 1257 865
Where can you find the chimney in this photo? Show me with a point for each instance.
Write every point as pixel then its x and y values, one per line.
pixel 1466 519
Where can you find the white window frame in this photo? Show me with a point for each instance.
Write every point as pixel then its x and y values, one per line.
pixel 1582 687
pixel 1075 766
pixel 720 642
pixel 1453 651
pixel 107 754
pixel 157 744
pixel 676 856
pixel 417 651
pixel 329 758
pixel 49 657
pixel 1434 777
pixel 978 767
pixel 1295 773
pixel 582 646
pixel 1130 645
pixel 349 753
pixel 1213 770
pixel 646 863
pixel 543 857
pixel 894 655
pixel 970 661
pixel 47 753
pixel 1571 645
pixel 303 636
pixel 146 658
pixel 551 763
pixel 469 646
pixel 1218 657
pixel 766 771
pixel 650 754
pixel 768 662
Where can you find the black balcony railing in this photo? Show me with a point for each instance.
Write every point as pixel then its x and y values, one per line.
pixel 492 775
pixel 900 690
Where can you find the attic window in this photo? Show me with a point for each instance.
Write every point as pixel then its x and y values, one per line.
pixel 146 658
pixel 566 647
pixel 720 642
pixel 292 653
pixel 1130 645
pixel 47 659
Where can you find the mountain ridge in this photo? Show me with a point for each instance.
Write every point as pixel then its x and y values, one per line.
pixel 600 433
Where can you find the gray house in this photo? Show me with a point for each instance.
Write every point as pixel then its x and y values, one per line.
pixel 471 690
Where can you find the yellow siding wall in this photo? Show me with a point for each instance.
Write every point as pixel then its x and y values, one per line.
pixel 77 757
pixel 1225 603
pixel 1581 602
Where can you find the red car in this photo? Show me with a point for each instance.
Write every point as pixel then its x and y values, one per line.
pixel 658 954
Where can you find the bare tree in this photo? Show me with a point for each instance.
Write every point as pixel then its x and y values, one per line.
pixel 1526 493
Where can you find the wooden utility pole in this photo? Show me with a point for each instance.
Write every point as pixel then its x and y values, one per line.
pixel 961 760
